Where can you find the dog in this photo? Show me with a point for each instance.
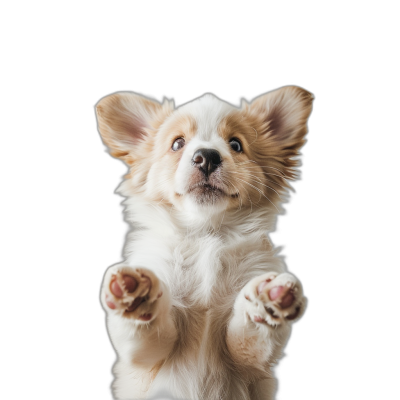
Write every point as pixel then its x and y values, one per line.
pixel 202 305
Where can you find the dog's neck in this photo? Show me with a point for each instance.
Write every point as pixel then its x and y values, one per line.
pixel 164 219
pixel 160 217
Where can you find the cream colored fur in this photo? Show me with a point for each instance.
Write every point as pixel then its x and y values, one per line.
pixel 212 333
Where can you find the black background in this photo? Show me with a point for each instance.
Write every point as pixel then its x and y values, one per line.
pixel 92 216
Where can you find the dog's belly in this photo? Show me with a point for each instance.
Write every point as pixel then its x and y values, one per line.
pixel 200 366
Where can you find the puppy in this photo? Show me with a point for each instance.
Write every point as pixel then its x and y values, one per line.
pixel 202 305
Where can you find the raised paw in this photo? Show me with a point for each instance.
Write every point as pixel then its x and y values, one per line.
pixel 132 292
pixel 273 298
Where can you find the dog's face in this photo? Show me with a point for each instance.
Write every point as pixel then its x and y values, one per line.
pixel 207 156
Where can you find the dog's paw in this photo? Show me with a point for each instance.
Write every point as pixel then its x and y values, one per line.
pixel 274 298
pixel 132 292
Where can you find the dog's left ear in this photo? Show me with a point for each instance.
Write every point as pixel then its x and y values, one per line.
pixel 284 113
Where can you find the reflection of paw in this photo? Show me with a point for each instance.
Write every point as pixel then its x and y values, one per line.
pixel 133 292
pixel 273 298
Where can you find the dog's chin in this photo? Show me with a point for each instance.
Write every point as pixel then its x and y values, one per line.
pixel 205 198
pixel 206 195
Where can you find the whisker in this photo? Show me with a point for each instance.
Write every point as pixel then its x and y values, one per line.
pixel 261 193
pixel 258 180
pixel 237 190
pixel 270 173
pixel 269 187
pixel 242 173
pixel 264 166
pixel 248 196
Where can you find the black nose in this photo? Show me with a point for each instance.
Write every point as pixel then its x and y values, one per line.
pixel 207 160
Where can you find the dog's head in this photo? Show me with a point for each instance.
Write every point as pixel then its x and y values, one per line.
pixel 208 156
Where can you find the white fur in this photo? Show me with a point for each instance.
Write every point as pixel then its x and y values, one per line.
pixel 206 261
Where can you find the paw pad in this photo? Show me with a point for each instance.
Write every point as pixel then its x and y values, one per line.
pixel 129 284
pixel 132 292
pixel 283 295
pixel 273 298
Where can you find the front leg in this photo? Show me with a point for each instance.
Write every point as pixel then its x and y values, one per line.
pixel 140 325
pixel 260 324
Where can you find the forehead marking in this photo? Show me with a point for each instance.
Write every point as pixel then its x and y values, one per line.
pixel 208 111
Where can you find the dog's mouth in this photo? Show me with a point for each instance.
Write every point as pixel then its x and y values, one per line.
pixel 206 192
pixel 205 188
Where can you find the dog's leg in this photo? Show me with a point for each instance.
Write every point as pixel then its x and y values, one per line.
pixel 138 311
pixel 260 323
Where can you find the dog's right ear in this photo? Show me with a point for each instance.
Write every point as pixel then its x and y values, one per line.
pixel 126 120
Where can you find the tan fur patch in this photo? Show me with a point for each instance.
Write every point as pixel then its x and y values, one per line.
pixel 126 121
pixel 154 371
pixel 270 142
pixel 181 126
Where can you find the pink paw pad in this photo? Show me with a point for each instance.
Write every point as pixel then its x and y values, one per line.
pixel 130 286
pixel 262 285
pixel 283 295
pixel 109 303
pixel 118 292
pixel 145 317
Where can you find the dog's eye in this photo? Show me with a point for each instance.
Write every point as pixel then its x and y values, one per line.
pixel 178 144
pixel 235 145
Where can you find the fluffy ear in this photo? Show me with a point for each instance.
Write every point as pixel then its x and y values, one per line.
pixel 126 120
pixel 284 112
